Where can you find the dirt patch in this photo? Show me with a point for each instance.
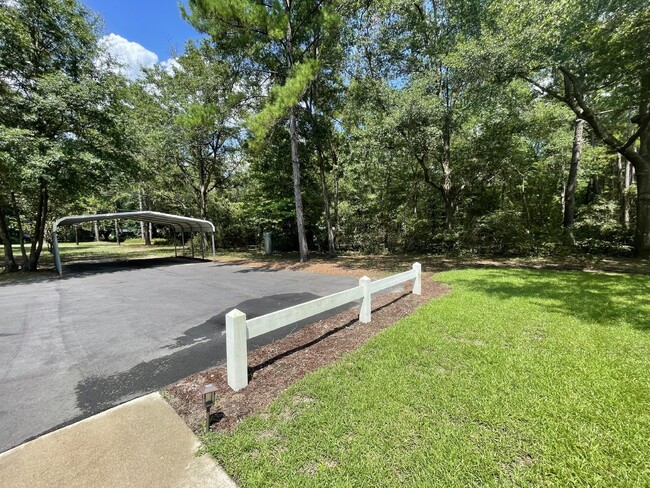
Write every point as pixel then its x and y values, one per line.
pixel 276 366
pixel 377 266
pixel 338 267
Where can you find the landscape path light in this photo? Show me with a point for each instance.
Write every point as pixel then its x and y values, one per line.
pixel 209 399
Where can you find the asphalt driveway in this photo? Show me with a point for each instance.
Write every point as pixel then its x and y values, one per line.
pixel 71 347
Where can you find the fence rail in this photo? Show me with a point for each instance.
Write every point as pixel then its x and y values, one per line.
pixel 267 323
pixel 397 279
pixel 239 329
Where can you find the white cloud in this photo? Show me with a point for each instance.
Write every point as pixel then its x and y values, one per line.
pixel 130 55
pixel 170 65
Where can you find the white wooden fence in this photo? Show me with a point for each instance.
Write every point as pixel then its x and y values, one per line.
pixel 239 329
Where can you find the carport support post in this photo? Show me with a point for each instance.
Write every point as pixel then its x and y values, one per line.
pixel 366 302
pixel 174 234
pixel 214 251
pixel 183 240
pixel 192 243
pixel 417 284
pixel 202 234
pixel 236 350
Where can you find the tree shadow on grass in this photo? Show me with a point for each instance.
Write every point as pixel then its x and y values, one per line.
pixel 594 297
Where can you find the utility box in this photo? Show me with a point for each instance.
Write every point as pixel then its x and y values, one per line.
pixel 268 249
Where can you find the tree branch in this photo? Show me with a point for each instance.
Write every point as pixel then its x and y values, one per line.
pixel 427 174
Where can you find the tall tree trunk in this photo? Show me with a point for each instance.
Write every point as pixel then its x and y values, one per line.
pixel 447 192
pixel 642 241
pixel 39 229
pixel 21 233
pixel 624 180
pixel 117 233
pixel 384 216
pixel 629 176
pixel 447 184
pixel 297 190
pixel 293 135
pixel 450 210
pixel 524 199
pixel 144 229
pixel 642 238
pixel 9 260
pixel 621 179
pixel 570 189
pixel 335 169
pixel 203 203
pixel 331 251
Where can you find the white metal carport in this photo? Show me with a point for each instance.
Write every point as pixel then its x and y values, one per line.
pixel 177 222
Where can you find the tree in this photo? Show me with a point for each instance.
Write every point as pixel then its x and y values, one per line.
pixel 565 49
pixel 572 179
pixel 191 122
pixel 273 39
pixel 406 44
pixel 62 119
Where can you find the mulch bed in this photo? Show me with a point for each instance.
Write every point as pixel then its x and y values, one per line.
pixel 276 366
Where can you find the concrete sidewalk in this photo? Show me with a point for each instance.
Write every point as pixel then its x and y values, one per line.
pixel 141 443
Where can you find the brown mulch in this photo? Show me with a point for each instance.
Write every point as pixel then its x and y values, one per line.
pixel 378 266
pixel 276 366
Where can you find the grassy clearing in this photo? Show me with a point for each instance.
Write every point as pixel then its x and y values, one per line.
pixel 131 249
pixel 518 377
pixel 88 251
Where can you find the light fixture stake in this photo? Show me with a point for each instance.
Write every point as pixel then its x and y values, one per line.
pixel 209 397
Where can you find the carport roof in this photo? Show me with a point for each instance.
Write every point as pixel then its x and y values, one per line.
pixel 179 222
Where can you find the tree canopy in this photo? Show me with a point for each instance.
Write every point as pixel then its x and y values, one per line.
pixel 455 126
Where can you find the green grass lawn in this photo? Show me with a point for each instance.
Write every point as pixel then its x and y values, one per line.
pixel 86 251
pixel 517 377
pixel 90 251
pixel 131 249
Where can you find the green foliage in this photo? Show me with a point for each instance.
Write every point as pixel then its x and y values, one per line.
pixel 599 230
pixel 502 232
pixel 63 122
pixel 283 98
pixel 188 122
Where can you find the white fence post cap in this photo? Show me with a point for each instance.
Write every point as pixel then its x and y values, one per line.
pixel 234 313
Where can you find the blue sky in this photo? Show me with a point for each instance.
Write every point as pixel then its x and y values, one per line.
pixel 142 32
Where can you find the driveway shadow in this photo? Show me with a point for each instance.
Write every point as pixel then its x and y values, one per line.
pixel 198 348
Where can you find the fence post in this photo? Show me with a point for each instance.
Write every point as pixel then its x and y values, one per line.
pixel 366 303
pixel 236 350
pixel 417 284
